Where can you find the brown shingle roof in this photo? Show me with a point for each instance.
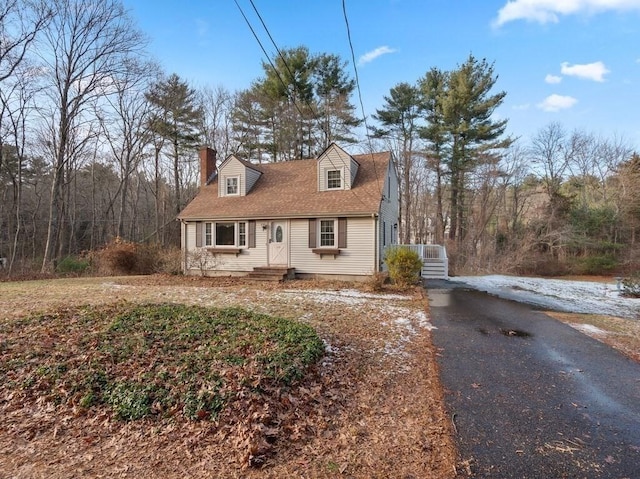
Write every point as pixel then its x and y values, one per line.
pixel 290 189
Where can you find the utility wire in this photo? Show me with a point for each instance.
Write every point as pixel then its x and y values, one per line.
pixel 286 65
pixel 275 70
pixel 357 78
pixel 294 85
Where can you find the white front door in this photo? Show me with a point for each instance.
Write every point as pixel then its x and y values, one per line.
pixel 278 250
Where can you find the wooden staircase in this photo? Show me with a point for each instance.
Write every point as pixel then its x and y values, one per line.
pixel 435 268
pixel 272 273
pixel 435 263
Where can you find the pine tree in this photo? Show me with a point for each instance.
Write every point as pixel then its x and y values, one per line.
pixel 177 120
pixel 400 117
pixel 333 88
pixel 297 108
pixel 463 109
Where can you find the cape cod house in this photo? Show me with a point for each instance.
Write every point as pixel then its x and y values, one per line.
pixel 325 217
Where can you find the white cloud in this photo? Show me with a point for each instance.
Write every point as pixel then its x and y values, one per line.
pixel 557 102
pixel 522 107
pixel 373 54
pixel 552 79
pixel 589 71
pixel 549 11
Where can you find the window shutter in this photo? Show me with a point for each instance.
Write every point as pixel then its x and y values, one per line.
pixel 252 234
pixel 312 233
pixel 199 234
pixel 342 232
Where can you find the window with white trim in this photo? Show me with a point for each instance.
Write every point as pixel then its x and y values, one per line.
pixel 225 234
pixel 327 233
pixel 232 185
pixel 334 179
pixel 242 234
pixel 208 234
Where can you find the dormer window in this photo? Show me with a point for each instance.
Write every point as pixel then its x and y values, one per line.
pixel 232 187
pixel 334 179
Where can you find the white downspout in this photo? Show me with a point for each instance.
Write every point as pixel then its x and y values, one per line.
pixel 184 240
pixel 376 247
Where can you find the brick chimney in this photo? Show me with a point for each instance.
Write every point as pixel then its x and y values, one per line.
pixel 207 164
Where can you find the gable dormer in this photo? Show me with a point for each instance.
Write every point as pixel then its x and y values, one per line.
pixel 236 177
pixel 336 169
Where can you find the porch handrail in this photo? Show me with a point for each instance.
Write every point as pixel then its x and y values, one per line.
pixel 425 251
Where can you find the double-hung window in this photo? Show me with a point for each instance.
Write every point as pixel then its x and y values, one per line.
pixel 208 234
pixel 232 184
pixel 334 179
pixel 327 233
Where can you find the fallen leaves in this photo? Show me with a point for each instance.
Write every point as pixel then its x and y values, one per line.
pixel 371 408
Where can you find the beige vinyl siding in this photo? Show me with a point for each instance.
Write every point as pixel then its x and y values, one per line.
pixel 357 259
pixel 335 159
pixel 229 169
pixel 245 261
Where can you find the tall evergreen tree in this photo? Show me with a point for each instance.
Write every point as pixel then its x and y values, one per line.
pixel 286 94
pixel 248 125
pixel 466 107
pixel 400 120
pixel 333 88
pixel 297 108
pixel 432 88
pixel 177 120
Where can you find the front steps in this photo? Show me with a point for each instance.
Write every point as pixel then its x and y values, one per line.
pixel 272 273
pixel 435 268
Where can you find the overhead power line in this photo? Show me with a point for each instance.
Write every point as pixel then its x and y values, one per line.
pixel 357 78
pixel 284 61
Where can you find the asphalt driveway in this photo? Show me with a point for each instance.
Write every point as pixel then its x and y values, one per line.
pixel 531 397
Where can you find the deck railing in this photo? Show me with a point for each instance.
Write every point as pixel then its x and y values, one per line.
pixel 435 263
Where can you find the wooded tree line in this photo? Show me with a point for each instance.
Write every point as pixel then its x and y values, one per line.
pixel 565 202
pixel 97 142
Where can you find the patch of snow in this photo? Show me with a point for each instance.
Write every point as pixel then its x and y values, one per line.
pixel 558 294
pixel 588 328
pixel 423 321
pixel 406 321
pixel 348 296
pixel 328 348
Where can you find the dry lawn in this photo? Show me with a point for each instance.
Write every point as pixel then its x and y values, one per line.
pixel 619 333
pixel 372 409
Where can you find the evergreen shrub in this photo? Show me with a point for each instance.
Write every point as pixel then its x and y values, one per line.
pixel 404 265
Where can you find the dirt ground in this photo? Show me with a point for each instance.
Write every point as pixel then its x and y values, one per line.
pixel 372 409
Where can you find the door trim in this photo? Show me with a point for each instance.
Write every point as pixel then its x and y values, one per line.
pixel 278 250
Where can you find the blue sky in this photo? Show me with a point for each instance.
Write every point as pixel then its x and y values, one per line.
pixel 576 62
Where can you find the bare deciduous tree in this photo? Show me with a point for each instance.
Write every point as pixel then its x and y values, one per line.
pixel 20 23
pixel 217 105
pixel 85 48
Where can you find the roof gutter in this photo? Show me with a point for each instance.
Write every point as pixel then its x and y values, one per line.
pixel 297 216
